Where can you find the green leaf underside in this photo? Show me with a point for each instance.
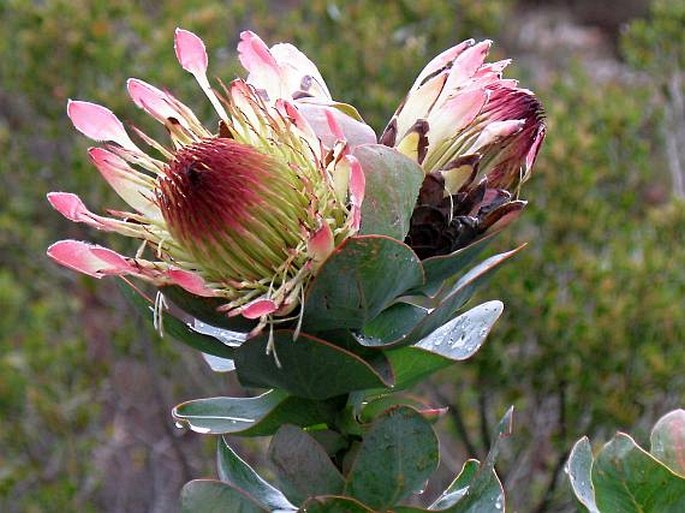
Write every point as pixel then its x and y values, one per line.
pixel 628 479
pixel 178 329
pixel 457 488
pixel 204 309
pixel 236 472
pixel 309 367
pixel 333 505
pixel 397 455
pixel 302 465
pixel 443 311
pixel 579 470
pixel 460 338
pixel 668 441
pixel 251 416
pixel 209 496
pixel 361 278
pixel 485 493
pixel 457 340
pixel 442 267
pixel 393 181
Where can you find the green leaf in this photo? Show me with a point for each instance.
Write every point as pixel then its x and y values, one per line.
pixel 374 407
pixel 579 470
pixel 397 455
pixel 442 307
pixel 236 472
pixel 251 416
pixel 302 465
pixel 205 309
pixel 628 479
pixel 412 365
pixel 457 488
pixel 307 367
pixel 353 285
pixel 460 338
pixel 440 268
pixel 209 496
pixel 333 505
pixel 393 181
pixel 485 493
pixel 668 441
pixel 457 340
pixel 178 329
pixel 392 324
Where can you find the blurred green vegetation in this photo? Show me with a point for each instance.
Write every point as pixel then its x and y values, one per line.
pixel 592 337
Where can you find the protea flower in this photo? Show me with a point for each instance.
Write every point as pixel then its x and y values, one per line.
pixel 476 135
pixel 245 214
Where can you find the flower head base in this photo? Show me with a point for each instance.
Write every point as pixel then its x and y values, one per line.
pixel 246 214
pixel 476 135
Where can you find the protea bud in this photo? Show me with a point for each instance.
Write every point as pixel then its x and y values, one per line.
pixel 246 214
pixel 476 135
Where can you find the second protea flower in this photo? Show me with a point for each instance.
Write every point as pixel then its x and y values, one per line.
pixel 246 214
pixel 477 136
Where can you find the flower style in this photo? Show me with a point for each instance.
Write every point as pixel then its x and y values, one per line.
pixel 246 214
pixel 477 136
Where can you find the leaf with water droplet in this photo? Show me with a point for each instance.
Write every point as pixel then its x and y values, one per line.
pixel 461 337
pixel 362 277
pixel 579 470
pixel 398 453
pixel 442 308
pixel 235 471
pixel 252 416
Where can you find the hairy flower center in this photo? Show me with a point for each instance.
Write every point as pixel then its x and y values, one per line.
pixel 226 203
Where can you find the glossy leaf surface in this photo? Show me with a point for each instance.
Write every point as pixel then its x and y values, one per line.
pixel 302 465
pixel 309 367
pixel 457 340
pixel 235 471
pixel 440 268
pixel 628 479
pixel 397 455
pixel 442 308
pixel 178 329
pixel 668 441
pixel 361 278
pixel 209 496
pixel 392 186
pixel 457 488
pixel 205 309
pixel 579 470
pixel 333 505
pixel 251 416
pixel 485 493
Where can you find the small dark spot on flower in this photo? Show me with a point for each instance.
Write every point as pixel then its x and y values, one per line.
pixel 306 82
pixel 192 174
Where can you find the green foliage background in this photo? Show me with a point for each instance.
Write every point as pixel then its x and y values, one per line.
pixel 592 337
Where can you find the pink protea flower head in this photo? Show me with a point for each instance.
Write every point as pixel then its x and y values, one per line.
pixel 477 136
pixel 246 214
